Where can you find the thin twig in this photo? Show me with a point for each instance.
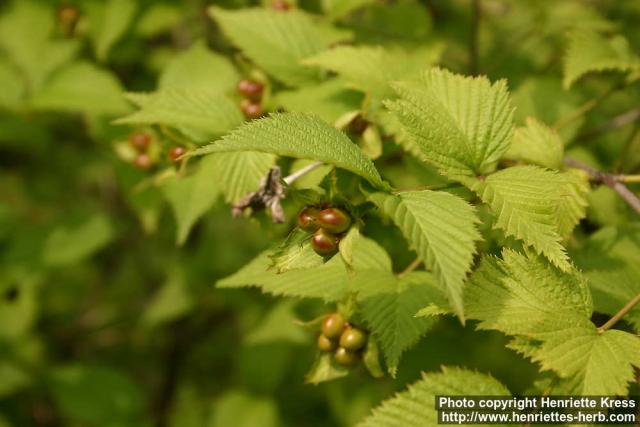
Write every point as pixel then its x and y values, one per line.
pixel 611 180
pixel 620 314
pixel 292 177
pixel 585 108
pixel 414 264
pixel 617 122
pixel 473 41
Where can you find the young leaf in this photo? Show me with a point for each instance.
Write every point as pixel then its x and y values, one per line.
pixel 201 113
pixel 297 135
pixel 462 125
pixel 441 227
pixel 536 144
pixel 325 369
pixel 526 201
pixel 416 407
pixel 82 87
pixel 590 51
pixel 277 42
pixel 347 244
pixel 371 358
pixel 391 315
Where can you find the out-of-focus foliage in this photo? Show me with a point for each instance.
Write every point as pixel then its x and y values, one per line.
pixel 442 142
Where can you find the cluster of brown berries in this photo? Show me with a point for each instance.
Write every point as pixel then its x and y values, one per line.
pixel 327 225
pixel 344 340
pixel 142 142
pixel 251 91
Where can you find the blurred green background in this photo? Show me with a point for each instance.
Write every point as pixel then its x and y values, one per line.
pixel 105 321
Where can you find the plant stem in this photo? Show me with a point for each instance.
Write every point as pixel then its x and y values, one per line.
pixel 620 314
pixel 414 264
pixel 617 122
pixel 473 41
pixel 292 177
pixel 615 182
pixel 584 108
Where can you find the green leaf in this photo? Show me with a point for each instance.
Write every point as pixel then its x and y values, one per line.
pixel 278 325
pixel 325 369
pixel 12 88
pixel 158 18
pixel 297 135
pixel 572 205
pixel 192 196
pixel 371 68
pixel 347 245
pixel 590 51
pixel 240 409
pixel 276 41
pixel 200 113
pixel 96 395
pixel 371 358
pixel 199 67
pixel 82 87
pixel 65 246
pixel 536 144
pixel 416 407
pixel 391 315
pixel 171 301
pixel 441 228
pixel 528 202
pixel 237 174
pixel 108 22
pixel 25 31
pixel 336 9
pixel 462 125
pixel 295 253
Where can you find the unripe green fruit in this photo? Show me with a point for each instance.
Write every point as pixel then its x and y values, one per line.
pixel 324 243
pixel 334 220
pixel 326 344
pixel 353 339
pixel 308 219
pixel 333 326
pixel 345 357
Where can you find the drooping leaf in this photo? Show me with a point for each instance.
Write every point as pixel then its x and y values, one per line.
pixel 460 124
pixel 441 227
pixel 590 51
pixel 109 21
pixel 325 369
pixel 297 135
pixel 416 407
pixel 276 41
pixel 67 245
pixel 536 144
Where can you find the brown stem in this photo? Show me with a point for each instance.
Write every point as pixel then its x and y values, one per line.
pixel 615 182
pixel 620 314
pixel 617 122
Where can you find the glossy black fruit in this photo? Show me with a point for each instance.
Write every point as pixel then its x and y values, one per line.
pixel 140 141
pixel 250 89
pixel 176 152
pixel 308 219
pixel 353 339
pixel 324 243
pixel 345 357
pixel 333 325
pixel 250 109
pixel 334 220
pixel 326 344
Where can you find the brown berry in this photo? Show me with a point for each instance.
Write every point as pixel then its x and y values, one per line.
pixel 324 243
pixel 333 325
pixel 251 110
pixel 345 357
pixel 307 219
pixel 176 152
pixel 280 5
pixel 326 344
pixel 334 220
pixel 140 141
pixel 68 18
pixel 353 339
pixel 250 89
pixel 143 161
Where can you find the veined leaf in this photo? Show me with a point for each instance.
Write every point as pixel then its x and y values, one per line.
pixel 240 173
pixel 589 52
pixel 297 135
pixel 537 144
pixel 277 41
pixel 572 204
pixel 391 315
pixel 295 253
pixel 462 125
pixel 441 227
pixel 416 407
pixel 200 113
pixel 527 201
pixel 81 87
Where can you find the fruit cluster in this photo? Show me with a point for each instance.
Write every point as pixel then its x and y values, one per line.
pixel 327 225
pixel 146 157
pixel 251 91
pixel 344 340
